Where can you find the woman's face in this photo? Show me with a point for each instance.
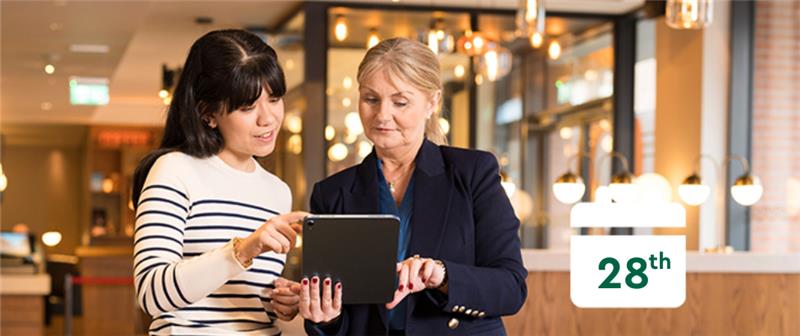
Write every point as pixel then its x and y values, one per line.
pixel 252 130
pixel 393 112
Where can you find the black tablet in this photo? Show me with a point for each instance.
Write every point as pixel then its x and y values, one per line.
pixel 358 250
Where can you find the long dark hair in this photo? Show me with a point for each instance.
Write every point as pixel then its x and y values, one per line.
pixel 225 71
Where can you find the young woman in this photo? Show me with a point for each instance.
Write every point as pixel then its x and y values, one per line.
pixel 212 226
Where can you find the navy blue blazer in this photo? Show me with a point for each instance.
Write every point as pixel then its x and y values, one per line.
pixel 461 216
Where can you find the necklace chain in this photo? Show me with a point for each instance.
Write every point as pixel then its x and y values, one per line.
pixel 393 183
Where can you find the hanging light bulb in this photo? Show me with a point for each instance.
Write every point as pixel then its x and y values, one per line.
pixel 330 132
pixel 530 18
pixel 472 43
pixel 554 51
pixel 459 71
pixel 163 93
pixel 337 152
pixel 293 123
pixel 295 144
pixel 445 125
pixel 373 38
pixel 689 14
pixel 340 29
pixel 495 63
pixel 49 69
pixel 3 179
pixel 433 42
pixel 537 39
pixel 353 123
pixel 364 148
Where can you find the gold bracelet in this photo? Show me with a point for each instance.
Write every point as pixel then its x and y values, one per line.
pixel 444 274
pixel 236 243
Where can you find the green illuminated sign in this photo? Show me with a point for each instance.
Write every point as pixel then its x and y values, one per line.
pixel 88 91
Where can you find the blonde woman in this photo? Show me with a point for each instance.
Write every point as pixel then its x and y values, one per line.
pixel 459 264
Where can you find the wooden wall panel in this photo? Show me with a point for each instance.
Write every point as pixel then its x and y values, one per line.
pixel 716 304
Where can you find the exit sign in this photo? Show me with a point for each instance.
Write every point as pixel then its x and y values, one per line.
pixel 88 91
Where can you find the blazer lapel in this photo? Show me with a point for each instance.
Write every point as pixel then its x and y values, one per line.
pixel 432 190
pixel 362 197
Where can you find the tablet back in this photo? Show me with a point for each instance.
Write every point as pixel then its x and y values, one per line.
pixel 358 250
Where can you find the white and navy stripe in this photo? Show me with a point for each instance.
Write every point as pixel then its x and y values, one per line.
pixel 185 272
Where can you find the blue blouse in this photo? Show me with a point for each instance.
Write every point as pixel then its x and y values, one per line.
pixel 386 205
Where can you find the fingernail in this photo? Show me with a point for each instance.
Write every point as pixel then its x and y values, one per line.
pixel 327 282
pixel 400 288
pixel 410 286
pixel 339 285
pixel 305 282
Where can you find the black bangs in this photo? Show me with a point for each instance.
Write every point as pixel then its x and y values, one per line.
pixel 248 80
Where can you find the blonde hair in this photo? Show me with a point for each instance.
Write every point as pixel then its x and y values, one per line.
pixel 411 62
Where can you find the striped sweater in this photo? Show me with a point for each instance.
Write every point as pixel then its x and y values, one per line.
pixel 186 274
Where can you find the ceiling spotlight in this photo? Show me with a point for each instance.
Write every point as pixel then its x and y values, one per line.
pixel 49 69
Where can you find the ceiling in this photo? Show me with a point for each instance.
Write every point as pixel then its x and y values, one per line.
pixel 141 36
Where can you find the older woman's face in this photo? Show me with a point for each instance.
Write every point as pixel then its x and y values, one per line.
pixel 393 112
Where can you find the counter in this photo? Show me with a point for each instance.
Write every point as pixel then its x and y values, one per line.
pixel 22 303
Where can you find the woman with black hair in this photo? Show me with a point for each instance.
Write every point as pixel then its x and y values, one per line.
pixel 212 226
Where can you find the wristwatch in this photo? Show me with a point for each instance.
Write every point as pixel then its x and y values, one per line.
pixel 444 275
pixel 236 243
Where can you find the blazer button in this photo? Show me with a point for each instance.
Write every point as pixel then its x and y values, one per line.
pixel 455 309
pixel 453 323
pixel 468 312
pixel 474 313
pixel 481 314
pixel 461 309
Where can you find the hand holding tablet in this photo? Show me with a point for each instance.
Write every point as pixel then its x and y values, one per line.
pixel 356 251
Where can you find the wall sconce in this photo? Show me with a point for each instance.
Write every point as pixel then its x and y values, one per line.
pixel 569 188
pixel 622 188
pixel 746 190
pixel 689 14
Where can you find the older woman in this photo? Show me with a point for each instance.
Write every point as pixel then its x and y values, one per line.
pixel 459 263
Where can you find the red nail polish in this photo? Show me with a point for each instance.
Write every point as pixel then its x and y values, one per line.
pixel 305 282
pixel 314 280
pixel 410 286
pixel 327 282
pixel 339 285
pixel 401 288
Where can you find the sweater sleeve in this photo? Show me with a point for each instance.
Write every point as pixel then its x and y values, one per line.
pixel 164 280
